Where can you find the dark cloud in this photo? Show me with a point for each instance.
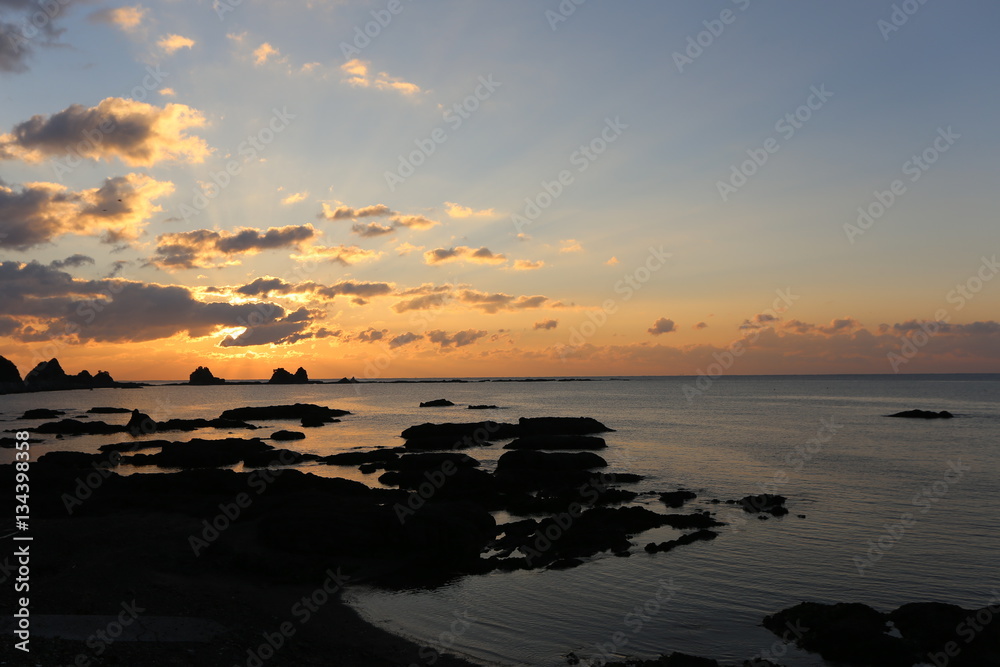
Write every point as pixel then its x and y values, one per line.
pixel 426 302
pixel 117 310
pixel 662 326
pixel 463 253
pixel 458 339
pixel 370 335
pixel 267 286
pixel 19 34
pixel 546 324
pixel 349 213
pixel 372 229
pixel 71 261
pixel 38 213
pixel 202 248
pixel 137 133
pixel 404 339
pixel 494 303
pixel 284 331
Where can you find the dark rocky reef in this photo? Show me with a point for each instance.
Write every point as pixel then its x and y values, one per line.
pixel 549 462
pixel 687 538
pixel 677 498
pixel 203 376
pixel 281 376
pixel 537 442
pixel 198 453
pixel 762 503
pixel 288 435
pixel 677 659
pixel 928 632
pixel 437 403
pixel 560 426
pixel 42 413
pixel 108 411
pixel 477 434
pixel 300 411
pixel 923 414
pixel 483 407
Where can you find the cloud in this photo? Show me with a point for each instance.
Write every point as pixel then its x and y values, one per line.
pixel 426 302
pixel 527 265
pixel 267 286
pixel 21 29
pixel 406 248
pixel 371 335
pixel 127 19
pixel 294 198
pixel 341 254
pixel 701 325
pixel 168 92
pixel 612 262
pixel 348 213
pixel 357 74
pixel 113 310
pixel 263 52
pixel 465 254
pixel 459 211
pixel 662 326
pixel 117 211
pixel 137 133
pixel 201 248
pixel 571 245
pixel 546 325
pixel 371 230
pixel 404 339
pixel 458 339
pixel 174 43
pixel 284 331
pixel 494 303
pixel 836 326
pixel 71 261
pixel 414 221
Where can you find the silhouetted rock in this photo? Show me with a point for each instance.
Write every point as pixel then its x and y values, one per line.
pixel 140 423
pixel 437 403
pixel 42 413
pixel 688 538
pixel 923 414
pixel 483 407
pixel 199 453
pixel 532 460
pixel 560 426
pixel 47 375
pixel 203 376
pixel 430 461
pixel 76 427
pixel 557 442
pixel 10 443
pixel 344 380
pixel 456 436
pixel 677 498
pixel 109 411
pixel 103 380
pixel 844 632
pixel 764 502
pixel 356 458
pixel 296 411
pixel 281 376
pixel 10 377
pixel 288 435
pixel 275 458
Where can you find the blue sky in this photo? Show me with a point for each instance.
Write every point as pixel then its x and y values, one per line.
pixel 559 84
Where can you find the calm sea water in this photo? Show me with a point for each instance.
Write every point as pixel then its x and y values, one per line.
pixel 743 435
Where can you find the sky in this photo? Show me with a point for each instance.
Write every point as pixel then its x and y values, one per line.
pixel 406 188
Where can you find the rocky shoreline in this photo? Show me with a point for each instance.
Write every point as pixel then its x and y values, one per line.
pixel 213 543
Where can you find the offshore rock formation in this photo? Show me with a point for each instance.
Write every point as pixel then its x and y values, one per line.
pixel 203 376
pixel 281 376
pixel 10 377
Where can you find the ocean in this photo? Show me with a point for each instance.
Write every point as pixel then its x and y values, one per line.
pixel 821 441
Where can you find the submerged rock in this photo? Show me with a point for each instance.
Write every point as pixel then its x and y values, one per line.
pixel 688 538
pixel 296 411
pixel 768 503
pixel 437 403
pixel 923 414
pixel 288 435
pixel 483 407
pixel 42 413
pixel 677 498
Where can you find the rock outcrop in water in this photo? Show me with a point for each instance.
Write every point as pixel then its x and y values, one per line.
pixel 281 376
pixel 437 403
pixel 203 376
pixel 923 414
pixel 927 632
pixel 296 411
pixel 10 377
pixel 557 442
